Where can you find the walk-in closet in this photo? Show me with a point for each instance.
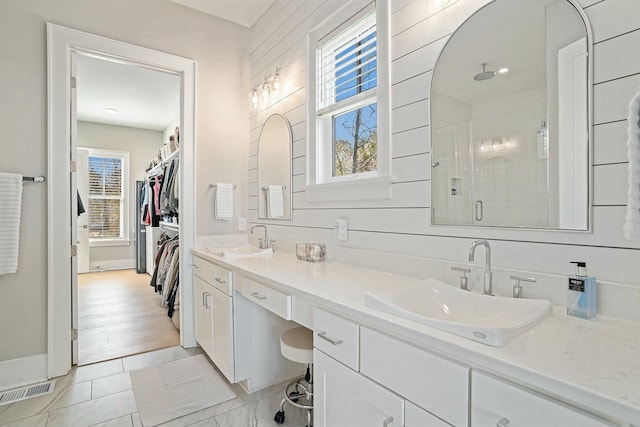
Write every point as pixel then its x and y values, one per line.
pixel 128 160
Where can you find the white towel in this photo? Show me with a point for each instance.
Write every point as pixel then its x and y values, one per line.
pixel 11 202
pixel 275 201
pixel 632 219
pixel 223 208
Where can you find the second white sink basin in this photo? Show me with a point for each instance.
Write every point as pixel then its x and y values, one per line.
pixel 487 319
pixel 239 252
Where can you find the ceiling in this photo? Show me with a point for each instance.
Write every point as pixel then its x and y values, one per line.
pixel 243 12
pixel 144 98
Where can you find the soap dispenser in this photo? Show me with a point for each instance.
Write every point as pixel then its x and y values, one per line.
pixel 581 293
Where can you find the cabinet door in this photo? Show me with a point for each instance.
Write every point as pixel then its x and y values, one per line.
pixel 345 398
pixel 497 403
pixel 222 354
pixel 202 301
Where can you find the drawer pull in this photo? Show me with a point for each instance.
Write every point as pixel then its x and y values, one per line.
pixel 256 295
pixel 504 422
pixel 220 280
pixel 195 266
pixel 386 422
pixel 334 341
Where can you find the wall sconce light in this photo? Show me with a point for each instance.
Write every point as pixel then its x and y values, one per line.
pixel 497 143
pixel 265 90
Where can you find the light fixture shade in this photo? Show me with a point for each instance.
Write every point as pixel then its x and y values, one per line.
pixel 266 91
pixel 255 99
pixel 276 82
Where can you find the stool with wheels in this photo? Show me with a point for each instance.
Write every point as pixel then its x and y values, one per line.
pixel 297 345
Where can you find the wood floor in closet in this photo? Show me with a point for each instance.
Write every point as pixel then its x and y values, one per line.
pixel 119 314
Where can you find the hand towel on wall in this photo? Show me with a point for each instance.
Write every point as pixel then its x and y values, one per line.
pixel 223 202
pixel 632 219
pixel 11 202
pixel 275 201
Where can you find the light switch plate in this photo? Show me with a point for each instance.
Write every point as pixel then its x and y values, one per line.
pixel 242 224
pixel 341 229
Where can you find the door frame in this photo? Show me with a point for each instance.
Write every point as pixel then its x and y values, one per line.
pixel 61 42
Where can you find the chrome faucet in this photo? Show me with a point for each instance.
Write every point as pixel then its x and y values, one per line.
pixel 264 244
pixel 488 286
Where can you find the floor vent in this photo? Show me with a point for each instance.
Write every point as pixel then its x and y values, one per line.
pixel 27 392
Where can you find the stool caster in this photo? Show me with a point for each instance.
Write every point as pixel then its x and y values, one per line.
pixel 279 417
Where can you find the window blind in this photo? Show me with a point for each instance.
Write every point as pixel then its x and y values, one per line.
pixel 105 197
pixel 347 63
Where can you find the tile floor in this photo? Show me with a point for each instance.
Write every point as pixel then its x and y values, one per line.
pixel 101 395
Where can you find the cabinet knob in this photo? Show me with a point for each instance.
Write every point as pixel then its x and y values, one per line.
pixel 386 422
pixel 504 422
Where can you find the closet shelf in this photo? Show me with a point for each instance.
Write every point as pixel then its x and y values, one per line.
pixel 169 226
pixel 158 169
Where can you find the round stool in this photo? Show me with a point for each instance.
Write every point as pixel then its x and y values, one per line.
pixel 297 345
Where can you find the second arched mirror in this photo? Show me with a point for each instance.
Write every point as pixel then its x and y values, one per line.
pixel 510 119
pixel 274 169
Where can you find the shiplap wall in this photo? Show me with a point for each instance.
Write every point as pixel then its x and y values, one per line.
pixel 401 225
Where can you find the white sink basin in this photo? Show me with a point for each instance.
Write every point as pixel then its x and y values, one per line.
pixel 240 252
pixel 487 319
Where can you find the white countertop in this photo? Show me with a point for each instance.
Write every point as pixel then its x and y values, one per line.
pixel 593 364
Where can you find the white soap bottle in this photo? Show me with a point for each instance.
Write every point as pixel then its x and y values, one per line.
pixel 581 293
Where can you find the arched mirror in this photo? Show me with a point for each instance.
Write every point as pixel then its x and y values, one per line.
pixel 510 118
pixel 274 169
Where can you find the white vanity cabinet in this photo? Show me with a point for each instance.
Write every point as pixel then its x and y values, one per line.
pixel 388 376
pixel 498 403
pixel 214 313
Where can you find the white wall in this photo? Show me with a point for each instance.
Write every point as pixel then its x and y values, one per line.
pixel 142 145
pixel 218 46
pixel 401 225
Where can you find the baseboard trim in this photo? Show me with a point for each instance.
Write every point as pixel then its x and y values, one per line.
pixel 23 371
pixel 114 264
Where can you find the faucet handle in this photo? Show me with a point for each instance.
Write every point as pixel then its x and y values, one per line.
pixel 517 288
pixel 464 281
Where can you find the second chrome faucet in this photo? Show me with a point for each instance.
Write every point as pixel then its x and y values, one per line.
pixel 488 284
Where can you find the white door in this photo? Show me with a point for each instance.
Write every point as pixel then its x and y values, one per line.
pixel 343 397
pixel 82 162
pixel 203 318
pixel 74 208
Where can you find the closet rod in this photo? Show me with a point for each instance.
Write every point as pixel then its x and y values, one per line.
pixel 34 178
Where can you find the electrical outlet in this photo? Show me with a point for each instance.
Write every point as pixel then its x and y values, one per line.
pixel 341 229
pixel 242 224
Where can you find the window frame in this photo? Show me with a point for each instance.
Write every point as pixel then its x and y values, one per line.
pixel 321 185
pixel 125 202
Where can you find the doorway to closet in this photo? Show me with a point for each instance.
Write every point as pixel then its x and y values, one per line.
pixel 127 125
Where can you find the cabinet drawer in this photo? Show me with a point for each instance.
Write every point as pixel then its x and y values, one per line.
pixel 436 384
pixel 219 277
pixel 493 400
pixel 273 300
pixel 418 417
pixel 337 337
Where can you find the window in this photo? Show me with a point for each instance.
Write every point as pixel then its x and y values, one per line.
pixel 347 106
pixel 347 102
pixel 108 176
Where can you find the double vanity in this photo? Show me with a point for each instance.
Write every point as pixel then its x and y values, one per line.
pixel 385 353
